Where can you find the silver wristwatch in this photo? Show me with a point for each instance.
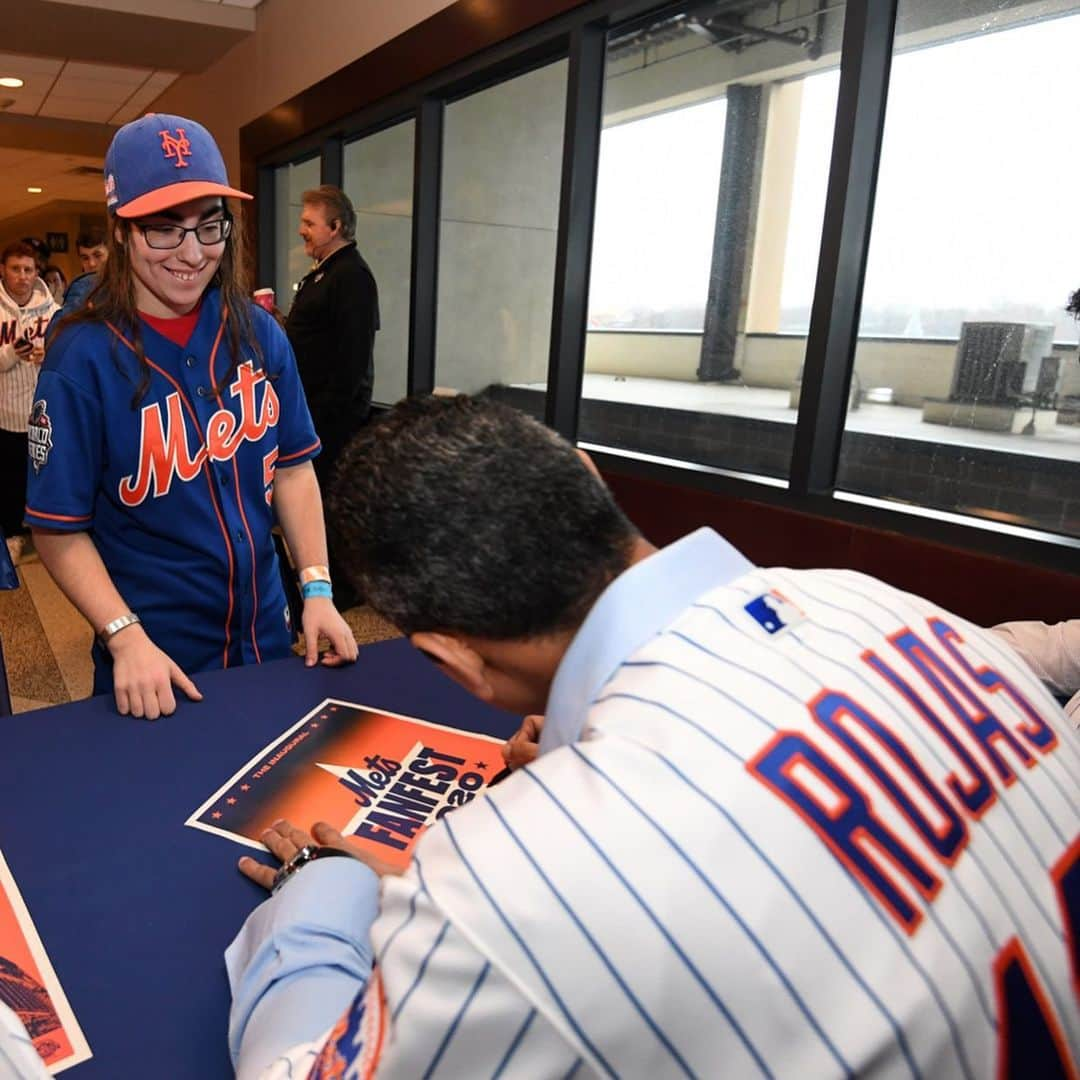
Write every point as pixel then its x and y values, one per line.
pixel 308 853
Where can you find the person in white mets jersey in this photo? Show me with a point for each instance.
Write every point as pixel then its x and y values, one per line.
pixel 789 823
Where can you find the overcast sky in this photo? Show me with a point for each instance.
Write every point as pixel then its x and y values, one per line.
pixel 977 202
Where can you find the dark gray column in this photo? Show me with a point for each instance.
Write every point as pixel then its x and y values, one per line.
pixel 734 206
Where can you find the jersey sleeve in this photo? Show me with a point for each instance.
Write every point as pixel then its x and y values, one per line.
pixel 297 441
pixel 1052 652
pixel 435 1007
pixel 66 453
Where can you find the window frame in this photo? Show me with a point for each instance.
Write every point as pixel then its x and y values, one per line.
pixel 579 32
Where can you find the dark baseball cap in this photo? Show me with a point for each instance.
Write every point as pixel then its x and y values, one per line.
pixel 159 161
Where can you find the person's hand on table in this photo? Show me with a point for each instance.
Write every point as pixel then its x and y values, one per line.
pixel 144 676
pixel 284 840
pixel 322 618
pixel 524 745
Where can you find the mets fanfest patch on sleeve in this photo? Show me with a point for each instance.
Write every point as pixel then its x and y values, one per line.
pixel 376 776
pixel 29 986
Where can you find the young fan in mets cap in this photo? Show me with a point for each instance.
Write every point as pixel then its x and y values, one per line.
pixel 169 429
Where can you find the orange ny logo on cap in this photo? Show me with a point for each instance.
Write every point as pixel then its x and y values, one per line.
pixel 176 146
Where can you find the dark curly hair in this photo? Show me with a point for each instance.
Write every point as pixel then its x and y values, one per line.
pixel 1073 306
pixel 464 515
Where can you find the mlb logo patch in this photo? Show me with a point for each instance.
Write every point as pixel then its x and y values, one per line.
pixel 773 613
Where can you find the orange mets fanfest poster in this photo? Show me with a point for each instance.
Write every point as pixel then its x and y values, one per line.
pixel 378 777
pixel 29 986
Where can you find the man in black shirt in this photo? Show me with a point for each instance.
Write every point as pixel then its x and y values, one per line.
pixel 332 326
pixel 332 323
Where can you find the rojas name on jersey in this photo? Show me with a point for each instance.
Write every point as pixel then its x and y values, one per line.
pixel 164 450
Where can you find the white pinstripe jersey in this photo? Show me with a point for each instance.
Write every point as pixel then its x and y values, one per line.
pixel 19 377
pixel 840 846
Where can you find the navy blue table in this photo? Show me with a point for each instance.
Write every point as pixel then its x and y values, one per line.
pixel 134 908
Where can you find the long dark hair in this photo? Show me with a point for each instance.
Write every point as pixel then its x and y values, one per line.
pixel 113 300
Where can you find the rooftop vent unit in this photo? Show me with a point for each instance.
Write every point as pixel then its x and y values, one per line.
pixel 1000 363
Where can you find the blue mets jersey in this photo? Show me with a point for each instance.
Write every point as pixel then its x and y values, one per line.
pixel 177 489
pixel 784 824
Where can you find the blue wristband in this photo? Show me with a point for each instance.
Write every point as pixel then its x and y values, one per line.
pixel 316 588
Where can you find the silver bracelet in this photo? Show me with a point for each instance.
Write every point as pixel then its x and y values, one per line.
pixel 111 629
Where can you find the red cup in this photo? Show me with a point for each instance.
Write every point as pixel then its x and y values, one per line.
pixel 264 298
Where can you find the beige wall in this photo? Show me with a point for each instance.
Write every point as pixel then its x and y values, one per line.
pixel 296 43
pixel 656 356
pixel 914 369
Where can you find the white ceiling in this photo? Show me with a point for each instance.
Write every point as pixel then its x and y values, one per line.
pixel 75 90
pixel 79 81
pixel 188 10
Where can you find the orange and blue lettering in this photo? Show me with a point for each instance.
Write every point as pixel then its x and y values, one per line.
pixel 833 710
pixel 980 721
pixel 799 772
pixel 1036 731
pixel 977 794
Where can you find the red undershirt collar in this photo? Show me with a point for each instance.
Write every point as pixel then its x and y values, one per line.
pixel 178 328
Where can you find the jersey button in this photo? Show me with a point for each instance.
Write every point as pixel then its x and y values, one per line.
pixel 189 360
pixel 239 534
pixel 201 391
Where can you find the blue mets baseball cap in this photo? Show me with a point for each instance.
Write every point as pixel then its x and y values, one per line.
pixel 160 161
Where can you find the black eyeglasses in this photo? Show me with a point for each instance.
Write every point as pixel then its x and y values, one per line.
pixel 166 237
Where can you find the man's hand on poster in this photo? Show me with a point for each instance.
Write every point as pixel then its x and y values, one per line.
pixel 284 840
pixel 523 746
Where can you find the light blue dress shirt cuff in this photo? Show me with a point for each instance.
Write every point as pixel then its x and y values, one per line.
pixel 299 960
pixel 18 1058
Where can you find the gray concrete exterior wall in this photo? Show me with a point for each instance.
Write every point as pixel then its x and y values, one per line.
pixel 914 369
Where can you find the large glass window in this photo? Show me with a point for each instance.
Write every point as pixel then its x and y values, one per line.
pixel 687 355
pixel 379 180
pixel 967 385
pixel 660 174
pixel 290 262
pixel 502 171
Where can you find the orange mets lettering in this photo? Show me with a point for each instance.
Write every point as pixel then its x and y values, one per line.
pixel 164 451
pixel 176 146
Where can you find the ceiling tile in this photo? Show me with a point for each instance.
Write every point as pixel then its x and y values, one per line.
pixel 111 93
pixel 25 104
pixel 77 109
pixel 23 65
pixel 140 101
pixel 162 79
pixel 131 76
pixel 125 114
